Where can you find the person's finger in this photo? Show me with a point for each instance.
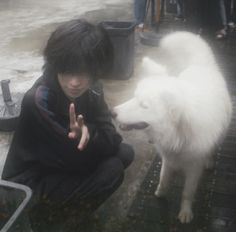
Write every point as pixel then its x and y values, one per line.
pixel 84 139
pixel 80 120
pixel 72 114
pixel 72 135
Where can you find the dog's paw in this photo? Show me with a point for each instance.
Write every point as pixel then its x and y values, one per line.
pixel 185 215
pixel 160 192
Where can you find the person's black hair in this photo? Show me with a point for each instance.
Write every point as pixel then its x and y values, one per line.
pixel 79 47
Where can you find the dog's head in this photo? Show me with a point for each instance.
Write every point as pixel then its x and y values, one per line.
pixel 154 103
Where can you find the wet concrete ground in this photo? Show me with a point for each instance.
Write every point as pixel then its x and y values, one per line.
pixel 23 34
pixel 25 28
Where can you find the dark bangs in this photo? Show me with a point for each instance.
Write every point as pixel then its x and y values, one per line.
pixel 78 47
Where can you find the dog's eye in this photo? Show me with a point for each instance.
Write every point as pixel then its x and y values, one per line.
pixel 143 105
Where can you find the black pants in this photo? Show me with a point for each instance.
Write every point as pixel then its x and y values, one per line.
pixel 75 198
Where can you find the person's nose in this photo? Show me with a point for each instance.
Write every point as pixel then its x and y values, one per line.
pixel 74 82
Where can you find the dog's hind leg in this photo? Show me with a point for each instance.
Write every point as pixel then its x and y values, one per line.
pixel 165 175
pixel 192 177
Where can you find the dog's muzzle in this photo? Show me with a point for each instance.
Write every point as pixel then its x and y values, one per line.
pixel 127 127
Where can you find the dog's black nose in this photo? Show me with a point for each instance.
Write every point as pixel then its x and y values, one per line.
pixel 113 113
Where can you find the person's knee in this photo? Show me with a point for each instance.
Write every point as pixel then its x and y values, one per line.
pixel 126 154
pixel 112 173
pixel 115 167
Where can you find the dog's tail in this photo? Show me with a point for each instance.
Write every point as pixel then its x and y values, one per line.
pixel 150 67
pixel 183 49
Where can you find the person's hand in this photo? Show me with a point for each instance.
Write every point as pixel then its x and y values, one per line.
pixel 77 128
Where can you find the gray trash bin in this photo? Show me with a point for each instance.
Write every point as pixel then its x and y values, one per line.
pixel 122 38
pixel 13 200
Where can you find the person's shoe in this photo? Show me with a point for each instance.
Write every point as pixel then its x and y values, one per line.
pixel 138 29
pixel 179 18
pixel 221 34
pixel 141 28
pixel 231 25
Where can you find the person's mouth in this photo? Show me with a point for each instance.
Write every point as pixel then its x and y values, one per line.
pixel 74 91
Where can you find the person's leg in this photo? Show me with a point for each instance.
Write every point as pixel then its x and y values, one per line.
pixel 221 20
pixel 107 178
pixel 234 11
pixel 76 197
pixel 230 12
pixel 223 13
pixel 94 191
pixel 125 154
pixel 195 14
pixel 228 9
pixel 100 184
pixel 180 9
pixel 139 11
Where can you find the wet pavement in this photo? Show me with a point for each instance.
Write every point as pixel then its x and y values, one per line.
pixel 24 29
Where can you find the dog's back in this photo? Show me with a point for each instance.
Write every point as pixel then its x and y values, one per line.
pixel 183 49
pixel 205 114
pixel 207 106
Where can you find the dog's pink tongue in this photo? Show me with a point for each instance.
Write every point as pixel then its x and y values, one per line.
pixel 137 126
pixel 125 127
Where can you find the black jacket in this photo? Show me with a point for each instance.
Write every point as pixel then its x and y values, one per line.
pixel 41 145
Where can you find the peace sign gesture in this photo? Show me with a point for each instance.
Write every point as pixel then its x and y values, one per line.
pixel 77 128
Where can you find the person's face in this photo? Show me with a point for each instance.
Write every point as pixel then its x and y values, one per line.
pixel 73 85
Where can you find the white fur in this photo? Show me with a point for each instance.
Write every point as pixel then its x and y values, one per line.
pixel 188 114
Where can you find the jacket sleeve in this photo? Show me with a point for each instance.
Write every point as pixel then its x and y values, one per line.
pixel 47 138
pixel 55 149
pixel 104 137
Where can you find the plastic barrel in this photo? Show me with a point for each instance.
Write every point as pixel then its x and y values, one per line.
pixel 122 37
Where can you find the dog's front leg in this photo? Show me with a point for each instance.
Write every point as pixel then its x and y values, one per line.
pixel 165 174
pixel 191 181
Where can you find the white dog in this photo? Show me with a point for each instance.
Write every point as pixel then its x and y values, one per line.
pixel 185 115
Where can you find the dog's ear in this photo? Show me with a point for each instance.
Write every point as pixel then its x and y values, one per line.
pixel 150 67
pixel 174 106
